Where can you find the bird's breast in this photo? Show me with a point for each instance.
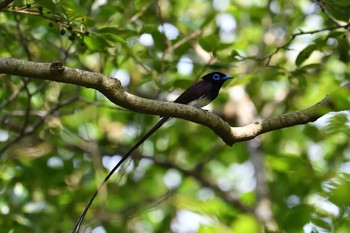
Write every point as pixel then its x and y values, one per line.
pixel 200 102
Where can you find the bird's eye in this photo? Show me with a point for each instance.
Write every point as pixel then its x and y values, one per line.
pixel 216 76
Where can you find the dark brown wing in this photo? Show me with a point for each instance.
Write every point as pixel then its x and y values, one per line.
pixel 194 92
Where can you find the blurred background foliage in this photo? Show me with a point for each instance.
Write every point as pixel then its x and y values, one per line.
pixel 57 141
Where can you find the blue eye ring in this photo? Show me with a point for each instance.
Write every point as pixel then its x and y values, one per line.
pixel 216 77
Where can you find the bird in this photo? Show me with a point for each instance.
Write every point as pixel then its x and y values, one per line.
pixel 198 95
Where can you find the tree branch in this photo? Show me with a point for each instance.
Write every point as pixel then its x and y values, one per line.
pixel 303 116
pixel 113 90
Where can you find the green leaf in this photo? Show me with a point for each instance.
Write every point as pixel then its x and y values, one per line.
pixel 121 33
pixel 340 193
pixel 298 216
pixel 310 67
pixel 338 9
pixel 159 39
pixel 245 224
pixel 343 48
pixel 226 56
pixel 302 82
pixel 338 124
pixel 210 43
pixel 321 223
pixel 342 2
pixel 88 21
pixel 341 99
pixel 113 38
pixel 48 4
pixel 305 54
pixel 112 34
pixel 96 43
pixel 234 53
pixel 313 132
pixel 335 34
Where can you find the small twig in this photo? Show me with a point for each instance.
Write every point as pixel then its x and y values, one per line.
pixel 27 12
pixel 294 35
pixel 28 108
pixel 22 39
pixel 11 98
pixel 138 14
pixel 323 7
pixel 166 41
pixel 191 36
pixel 37 124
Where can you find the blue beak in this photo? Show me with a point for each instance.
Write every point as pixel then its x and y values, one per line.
pixel 227 77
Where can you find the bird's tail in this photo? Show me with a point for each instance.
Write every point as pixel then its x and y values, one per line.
pixel 127 155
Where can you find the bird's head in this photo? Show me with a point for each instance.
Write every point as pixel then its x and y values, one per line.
pixel 216 78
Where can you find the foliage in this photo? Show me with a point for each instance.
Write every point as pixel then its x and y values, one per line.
pixel 58 140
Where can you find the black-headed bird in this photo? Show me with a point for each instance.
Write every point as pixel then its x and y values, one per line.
pixel 198 95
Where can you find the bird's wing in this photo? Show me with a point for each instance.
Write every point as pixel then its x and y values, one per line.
pixel 194 92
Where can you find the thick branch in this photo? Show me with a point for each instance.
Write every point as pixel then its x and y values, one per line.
pixel 113 90
pixel 303 116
